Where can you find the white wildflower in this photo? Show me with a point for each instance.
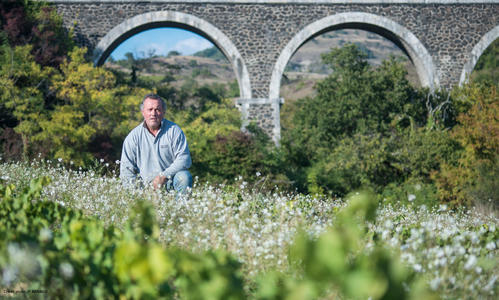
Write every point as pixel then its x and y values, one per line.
pixel 45 234
pixel 440 253
pixel 16 254
pixel 9 275
pixel 66 270
pixel 388 224
pixel 435 283
pixel 490 246
pixel 474 238
pixel 470 263
pixel 442 207
pixel 417 268
pixel 491 284
pixel 411 197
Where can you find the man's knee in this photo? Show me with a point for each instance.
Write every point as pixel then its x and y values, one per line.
pixel 182 180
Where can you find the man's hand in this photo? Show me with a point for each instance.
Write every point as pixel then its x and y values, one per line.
pixel 158 181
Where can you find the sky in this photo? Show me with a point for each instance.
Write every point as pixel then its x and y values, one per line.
pixel 162 41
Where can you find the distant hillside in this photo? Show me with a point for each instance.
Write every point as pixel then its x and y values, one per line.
pixel 178 69
pixel 212 53
pixel 302 72
pixel 487 66
pixel 305 67
pixel 308 57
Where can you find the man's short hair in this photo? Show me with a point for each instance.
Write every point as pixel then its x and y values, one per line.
pixel 155 97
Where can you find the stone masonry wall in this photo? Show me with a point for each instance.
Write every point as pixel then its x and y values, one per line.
pixel 261 31
pixel 262 115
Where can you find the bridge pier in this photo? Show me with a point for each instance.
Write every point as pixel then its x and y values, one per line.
pixel 264 112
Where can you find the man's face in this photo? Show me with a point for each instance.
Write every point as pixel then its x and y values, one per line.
pixel 153 113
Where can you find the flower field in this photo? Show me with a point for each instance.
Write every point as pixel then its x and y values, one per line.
pixel 453 253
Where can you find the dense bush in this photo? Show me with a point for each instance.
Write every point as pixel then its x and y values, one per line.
pixel 366 127
pixel 472 177
pixel 89 108
pixel 217 144
pixel 21 97
pixel 93 114
pixel 32 43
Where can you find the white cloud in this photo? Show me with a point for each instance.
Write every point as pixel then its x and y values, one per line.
pixel 191 45
pixel 152 48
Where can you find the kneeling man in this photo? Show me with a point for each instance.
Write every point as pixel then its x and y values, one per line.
pixel 156 150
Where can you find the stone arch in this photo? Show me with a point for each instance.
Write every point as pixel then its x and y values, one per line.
pixel 477 51
pixel 398 34
pixel 156 19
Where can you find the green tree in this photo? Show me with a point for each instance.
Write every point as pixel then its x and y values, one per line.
pixel 473 176
pixel 33 44
pixel 21 79
pixel 173 53
pixel 354 98
pixel 91 109
pixel 350 134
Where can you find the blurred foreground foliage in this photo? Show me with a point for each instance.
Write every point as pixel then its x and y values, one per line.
pixel 336 262
pixel 48 247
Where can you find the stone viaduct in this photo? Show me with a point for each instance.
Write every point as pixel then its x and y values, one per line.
pixel 442 38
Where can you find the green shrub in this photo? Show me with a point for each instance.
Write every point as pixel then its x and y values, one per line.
pixel 414 191
pixel 472 176
pixel 376 161
pixel 220 151
pixel 486 69
pixel 359 161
